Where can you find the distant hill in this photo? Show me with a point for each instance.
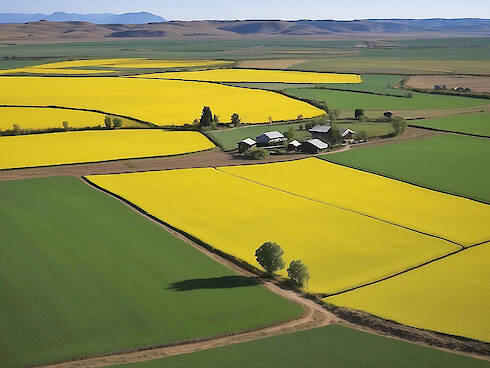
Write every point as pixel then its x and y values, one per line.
pixel 133 25
pixel 105 18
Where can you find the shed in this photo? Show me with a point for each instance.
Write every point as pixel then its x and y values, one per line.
pixel 314 145
pixel 246 144
pixel 268 138
pixel 346 133
pixel 294 145
pixel 388 114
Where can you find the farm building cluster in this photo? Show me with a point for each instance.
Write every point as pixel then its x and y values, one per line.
pixel 317 144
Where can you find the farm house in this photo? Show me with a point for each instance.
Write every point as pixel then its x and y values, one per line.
pixel 246 144
pixel 268 138
pixel 294 145
pixel 347 134
pixel 314 145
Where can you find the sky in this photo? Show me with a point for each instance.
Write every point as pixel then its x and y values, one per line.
pixel 262 9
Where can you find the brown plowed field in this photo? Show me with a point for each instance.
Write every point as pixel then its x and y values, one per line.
pixel 477 84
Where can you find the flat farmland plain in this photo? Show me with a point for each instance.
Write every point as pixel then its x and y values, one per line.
pixel 96 145
pixel 450 296
pixel 162 102
pixel 351 100
pixel 341 249
pixel 82 274
pixel 475 123
pixel 257 75
pixel 449 163
pixel 457 219
pixel 330 346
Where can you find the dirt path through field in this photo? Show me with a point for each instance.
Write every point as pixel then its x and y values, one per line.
pixel 314 316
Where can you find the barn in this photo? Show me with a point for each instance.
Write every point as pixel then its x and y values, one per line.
pixel 346 134
pixel 320 131
pixel 270 138
pixel 246 144
pixel 314 145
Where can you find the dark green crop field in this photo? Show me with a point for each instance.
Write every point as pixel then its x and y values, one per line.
pixel 352 100
pixel 331 346
pixel 477 123
pixel 81 273
pixel 449 163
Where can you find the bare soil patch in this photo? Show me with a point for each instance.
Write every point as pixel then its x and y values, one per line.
pixel 270 64
pixel 477 84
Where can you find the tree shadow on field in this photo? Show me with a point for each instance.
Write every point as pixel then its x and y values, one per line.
pixel 224 282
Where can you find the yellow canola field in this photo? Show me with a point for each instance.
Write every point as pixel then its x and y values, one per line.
pixel 161 102
pixel 451 295
pixel 83 63
pixel 92 146
pixel 257 75
pixel 44 118
pixel 341 249
pixel 458 219
pixel 36 70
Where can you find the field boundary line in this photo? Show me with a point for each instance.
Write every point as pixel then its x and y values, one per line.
pixel 429 187
pixel 434 260
pixel 448 131
pixel 7 348
pixel 342 208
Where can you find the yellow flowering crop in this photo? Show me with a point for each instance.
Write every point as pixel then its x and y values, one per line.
pixel 93 145
pixel 458 219
pixel 256 75
pixel 44 118
pixel 84 63
pixel 161 102
pixel 36 70
pixel 340 248
pixel 451 295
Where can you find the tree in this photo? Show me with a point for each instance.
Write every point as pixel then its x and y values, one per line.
pixel 358 112
pixel 107 122
pixel 360 136
pixel 256 153
pixel 399 125
pixel 65 125
pixel 289 134
pixel 334 136
pixel 117 122
pixel 206 117
pixel 215 119
pixel 269 256
pixel 235 119
pixel 298 272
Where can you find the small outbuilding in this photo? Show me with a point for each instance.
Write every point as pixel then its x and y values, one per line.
pixel 314 145
pixel 270 138
pixel 246 144
pixel 294 145
pixel 346 133
pixel 388 114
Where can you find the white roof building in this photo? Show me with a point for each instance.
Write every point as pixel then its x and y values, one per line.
pixel 248 141
pixel 318 143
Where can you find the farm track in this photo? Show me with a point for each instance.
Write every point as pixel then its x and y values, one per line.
pixel 314 316
pixel 210 158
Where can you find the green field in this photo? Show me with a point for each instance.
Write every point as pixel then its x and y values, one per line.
pixel 331 346
pixel 228 138
pixel 351 100
pixel 449 163
pixel 80 274
pixel 477 123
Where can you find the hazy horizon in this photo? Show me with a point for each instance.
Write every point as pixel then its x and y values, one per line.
pixel 259 9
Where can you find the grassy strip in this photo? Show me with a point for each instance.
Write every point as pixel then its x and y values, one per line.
pixel 113 282
pixel 330 346
pixel 448 163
